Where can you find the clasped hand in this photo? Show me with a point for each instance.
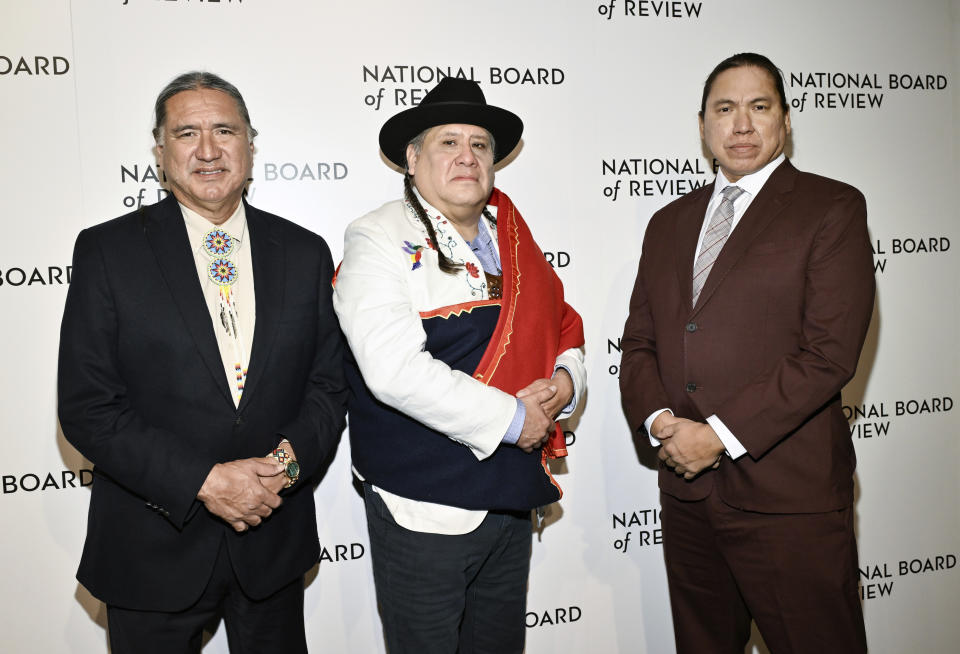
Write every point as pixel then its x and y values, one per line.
pixel 243 492
pixel 543 400
pixel 687 447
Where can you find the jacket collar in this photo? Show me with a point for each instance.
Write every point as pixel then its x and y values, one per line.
pixel 166 232
pixel 769 202
pixel 269 278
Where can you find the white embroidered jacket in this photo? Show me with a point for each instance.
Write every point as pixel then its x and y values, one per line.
pixel 388 279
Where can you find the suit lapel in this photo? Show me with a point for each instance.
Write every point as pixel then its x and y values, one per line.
pixel 688 224
pixel 167 234
pixel 266 251
pixel 772 199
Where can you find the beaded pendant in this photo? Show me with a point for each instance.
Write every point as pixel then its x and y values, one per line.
pixel 223 272
pixel 218 243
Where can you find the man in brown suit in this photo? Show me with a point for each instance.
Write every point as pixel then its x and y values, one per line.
pixel 750 308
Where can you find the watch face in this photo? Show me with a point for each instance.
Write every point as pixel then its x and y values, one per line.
pixel 293 470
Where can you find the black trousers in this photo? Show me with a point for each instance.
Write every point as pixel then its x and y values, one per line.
pixel 441 594
pixel 273 624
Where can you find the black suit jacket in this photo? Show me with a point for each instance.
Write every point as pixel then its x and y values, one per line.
pixel 143 395
pixel 774 336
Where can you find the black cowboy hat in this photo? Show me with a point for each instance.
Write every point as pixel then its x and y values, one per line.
pixel 453 100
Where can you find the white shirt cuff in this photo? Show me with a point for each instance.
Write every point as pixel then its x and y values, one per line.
pixel 735 448
pixel 648 424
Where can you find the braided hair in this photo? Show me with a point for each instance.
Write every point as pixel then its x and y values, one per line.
pixel 446 265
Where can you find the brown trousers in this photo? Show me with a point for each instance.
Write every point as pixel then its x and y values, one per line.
pixel 794 574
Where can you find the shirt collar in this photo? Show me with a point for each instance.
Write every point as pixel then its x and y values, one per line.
pixel 483 239
pixel 751 183
pixel 235 225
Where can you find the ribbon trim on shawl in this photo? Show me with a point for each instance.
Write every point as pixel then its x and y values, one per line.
pixel 533 315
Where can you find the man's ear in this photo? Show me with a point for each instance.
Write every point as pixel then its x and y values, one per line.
pixel 411 159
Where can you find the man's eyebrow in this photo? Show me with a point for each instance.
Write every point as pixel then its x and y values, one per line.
pixel 450 132
pixel 759 98
pixel 183 128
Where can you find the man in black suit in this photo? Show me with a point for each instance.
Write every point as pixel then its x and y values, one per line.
pixel 202 503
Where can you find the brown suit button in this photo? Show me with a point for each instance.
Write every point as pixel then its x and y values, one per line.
pixel 691 327
pixel 691 387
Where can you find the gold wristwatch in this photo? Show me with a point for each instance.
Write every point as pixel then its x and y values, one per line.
pixel 290 466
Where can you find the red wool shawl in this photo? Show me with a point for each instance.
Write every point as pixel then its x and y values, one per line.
pixel 535 323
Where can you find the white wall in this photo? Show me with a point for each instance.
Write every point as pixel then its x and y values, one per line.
pixel 628 87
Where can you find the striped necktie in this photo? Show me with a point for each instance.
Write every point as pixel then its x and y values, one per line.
pixel 717 233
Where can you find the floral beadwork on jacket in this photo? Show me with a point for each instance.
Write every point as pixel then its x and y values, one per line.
pixel 449 244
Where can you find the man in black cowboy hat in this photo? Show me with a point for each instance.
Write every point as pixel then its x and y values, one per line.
pixel 463 355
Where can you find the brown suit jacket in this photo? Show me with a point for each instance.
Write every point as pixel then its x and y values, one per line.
pixel 776 333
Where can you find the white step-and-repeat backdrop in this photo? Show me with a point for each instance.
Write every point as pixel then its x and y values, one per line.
pixel 608 91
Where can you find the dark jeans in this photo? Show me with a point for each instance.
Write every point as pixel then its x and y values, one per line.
pixel 274 624
pixel 442 594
